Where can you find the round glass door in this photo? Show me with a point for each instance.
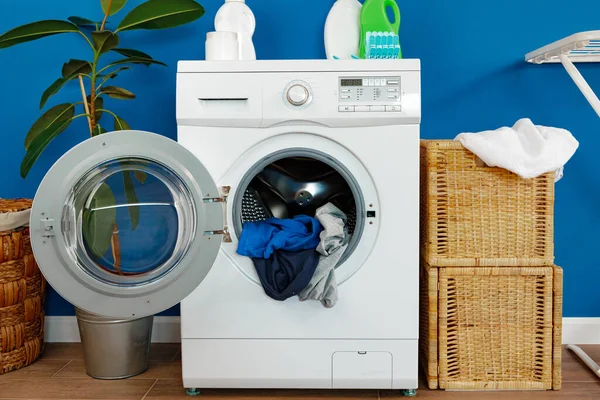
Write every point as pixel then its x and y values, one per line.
pixel 134 221
pixel 120 226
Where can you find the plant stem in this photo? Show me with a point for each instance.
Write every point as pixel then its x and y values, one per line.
pixel 115 243
pixel 86 39
pixel 85 104
pixel 106 15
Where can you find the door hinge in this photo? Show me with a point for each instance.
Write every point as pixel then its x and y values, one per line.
pixel 222 198
pixel 47 227
pixel 223 195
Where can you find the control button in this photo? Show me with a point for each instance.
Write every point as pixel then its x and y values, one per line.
pixel 298 95
pixel 393 108
pixel 377 108
pixel 346 97
pixel 371 82
pixel 378 82
pixel 393 97
pixel 392 82
pixel 346 109
pixel 393 90
pixel 365 82
pixel 361 109
pixel 346 91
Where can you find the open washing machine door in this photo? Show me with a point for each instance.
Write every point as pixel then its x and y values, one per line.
pixel 127 224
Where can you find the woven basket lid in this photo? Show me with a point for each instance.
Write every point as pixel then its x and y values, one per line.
pixel 14 213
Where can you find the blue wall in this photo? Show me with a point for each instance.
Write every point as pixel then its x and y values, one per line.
pixel 474 78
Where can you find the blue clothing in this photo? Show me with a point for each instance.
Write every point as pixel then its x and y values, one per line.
pixel 260 239
pixel 285 274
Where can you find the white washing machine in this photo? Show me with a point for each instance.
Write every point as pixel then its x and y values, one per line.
pixel 176 212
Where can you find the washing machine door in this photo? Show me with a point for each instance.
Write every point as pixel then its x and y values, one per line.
pixel 126 224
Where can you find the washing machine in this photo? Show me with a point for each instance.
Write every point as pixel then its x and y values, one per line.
pixel 128 224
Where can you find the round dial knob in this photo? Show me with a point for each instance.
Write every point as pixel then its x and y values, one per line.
pixel 298 94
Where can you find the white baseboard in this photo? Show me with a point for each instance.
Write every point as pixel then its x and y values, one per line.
pixel 167 330
pixel 581 330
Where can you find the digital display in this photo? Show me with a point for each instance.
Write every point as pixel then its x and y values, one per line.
pixel 352 82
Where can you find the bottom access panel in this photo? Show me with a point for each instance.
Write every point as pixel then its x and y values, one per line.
pixel 362 370
pixel 296 364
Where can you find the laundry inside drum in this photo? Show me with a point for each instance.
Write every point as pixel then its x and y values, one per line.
pixel 297 186
pixel 300 185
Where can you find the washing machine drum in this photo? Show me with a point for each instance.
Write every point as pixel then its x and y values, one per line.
pixel 294 186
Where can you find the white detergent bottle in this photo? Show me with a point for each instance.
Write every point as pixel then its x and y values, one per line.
pixel 236 16
pixel 342 30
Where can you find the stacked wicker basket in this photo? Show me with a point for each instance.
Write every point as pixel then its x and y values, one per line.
pixel 491 297
pixel 22 288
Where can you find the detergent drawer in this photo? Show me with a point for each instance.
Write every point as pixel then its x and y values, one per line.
pixel 362 370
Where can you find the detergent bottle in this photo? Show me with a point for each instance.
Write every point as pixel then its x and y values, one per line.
pixel 236 16
pixel 342 30
pixel 377 28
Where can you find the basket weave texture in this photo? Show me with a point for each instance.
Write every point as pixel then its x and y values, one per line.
pixel 22 291
pixel 492 327
pixel 474 215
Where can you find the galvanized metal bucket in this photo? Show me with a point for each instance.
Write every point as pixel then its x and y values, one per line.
pixel 114 348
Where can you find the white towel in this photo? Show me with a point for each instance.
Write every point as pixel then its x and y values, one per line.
pixel 14 220
pixel 526 149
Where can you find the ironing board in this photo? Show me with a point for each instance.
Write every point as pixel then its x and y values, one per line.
pixel 578 48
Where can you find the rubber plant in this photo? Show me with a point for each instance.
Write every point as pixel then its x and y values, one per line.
pixel 95 80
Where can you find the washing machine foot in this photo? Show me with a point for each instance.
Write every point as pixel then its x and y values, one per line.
pixel 408 392
pixel 192 392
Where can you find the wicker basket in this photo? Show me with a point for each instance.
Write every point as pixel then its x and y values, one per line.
pixel 22 290
pixel 473 215
pixel 491 328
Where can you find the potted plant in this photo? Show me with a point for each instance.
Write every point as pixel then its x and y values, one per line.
pixel 95 78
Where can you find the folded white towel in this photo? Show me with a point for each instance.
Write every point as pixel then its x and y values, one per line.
pixel 526 149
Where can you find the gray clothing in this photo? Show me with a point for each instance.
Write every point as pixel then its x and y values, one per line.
pixel 334 241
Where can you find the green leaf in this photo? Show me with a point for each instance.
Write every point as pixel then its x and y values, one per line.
pixel 121 125
pixel 99 221
pixel 83 22
pixel 117 93
pixel 133 53
pixel 134 211
pixel 104 41
pixel 137 60
pixel 39 144
pixel 52 90
pixel 98 130
pixel 160 14
pixel 112 75
pixel 58 114
pixel 140 176
pixel 34 31
pixel 116 6
pixel 76 67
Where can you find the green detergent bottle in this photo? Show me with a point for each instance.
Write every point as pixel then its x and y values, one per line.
pixel 379 38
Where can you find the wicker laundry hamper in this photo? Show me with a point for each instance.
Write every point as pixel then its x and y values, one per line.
pixel 474 215
pixel 491 328
pixel 22 290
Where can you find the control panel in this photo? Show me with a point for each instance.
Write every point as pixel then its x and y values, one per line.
pixel 370 94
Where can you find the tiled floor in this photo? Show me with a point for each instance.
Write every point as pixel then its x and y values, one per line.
pixel 60 374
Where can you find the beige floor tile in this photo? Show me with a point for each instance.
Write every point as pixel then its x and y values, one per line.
pixel 164 351
pixel 570 391
pixel 156 370
pixel 63 351
pixel 59 388
pixel 40 369
pixel 173 389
